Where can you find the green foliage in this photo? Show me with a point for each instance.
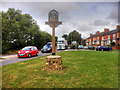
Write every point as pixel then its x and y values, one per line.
pixel 19 30
pixel 74 46
pixel 74 36
pixel 113 43
pixel 118 44
pixel 65 36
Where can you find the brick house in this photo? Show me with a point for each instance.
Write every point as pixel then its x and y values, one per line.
pixel 105 38
pixel 95 39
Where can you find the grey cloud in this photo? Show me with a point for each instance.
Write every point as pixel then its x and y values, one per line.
pixel 114 15
pixel 73 15
pixel 41 9
pixel 101 23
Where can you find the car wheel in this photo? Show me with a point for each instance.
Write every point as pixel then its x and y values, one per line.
pixel 110 50
pixel 29 55
pixel 37 54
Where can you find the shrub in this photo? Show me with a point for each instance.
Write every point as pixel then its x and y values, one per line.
pixel 113 43
pixel 74 47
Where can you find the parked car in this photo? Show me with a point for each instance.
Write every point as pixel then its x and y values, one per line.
pixel 85 47
pixel 103 48
pixel 47 48
pixel 91 47
pixel 66 46
pixel 80 46
pixel 28 51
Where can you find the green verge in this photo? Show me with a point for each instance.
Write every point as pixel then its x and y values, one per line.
pixel 82 69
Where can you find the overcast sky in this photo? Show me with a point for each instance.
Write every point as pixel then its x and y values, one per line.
pixel 85 17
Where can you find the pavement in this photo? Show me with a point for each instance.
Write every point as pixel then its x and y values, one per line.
pixel 8 56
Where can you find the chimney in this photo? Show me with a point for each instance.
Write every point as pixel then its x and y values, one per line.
pixel 97 32
pixel 90 34
pixel 106 30
pixel 118 27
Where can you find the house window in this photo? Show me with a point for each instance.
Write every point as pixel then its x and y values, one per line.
pixel 108 42
pixel 117 35
pixel 101 42
pixel 113 40
pixel 109 37
pixel 97 38
pixel 97 42
pixel 102 38
pixel 113 35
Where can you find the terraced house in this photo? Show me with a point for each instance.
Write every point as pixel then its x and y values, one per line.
pixel 105 38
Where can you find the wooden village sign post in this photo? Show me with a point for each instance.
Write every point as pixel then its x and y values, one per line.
pixel 53 62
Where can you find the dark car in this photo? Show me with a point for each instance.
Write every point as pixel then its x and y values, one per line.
pixel 47 48
pixel 66 46
pixel 28 51
pixel 103 48
pixel 91 47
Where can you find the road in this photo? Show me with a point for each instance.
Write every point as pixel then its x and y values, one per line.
pixel 14 59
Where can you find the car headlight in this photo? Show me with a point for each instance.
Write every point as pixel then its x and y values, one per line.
pixel 48 49
pixel 19 52
pixel 26 51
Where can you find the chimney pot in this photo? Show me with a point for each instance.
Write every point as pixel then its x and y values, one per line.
pixel 118 27
pixel 97 32
pixel 90 34
pixel 106 30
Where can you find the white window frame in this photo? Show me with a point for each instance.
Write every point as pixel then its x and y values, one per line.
pixel 108 42
pixel 101 42
pixel 117 35
pixel 97 38
pixel 108 36
pixel 102 38
pixel 113 35
pixel 114 40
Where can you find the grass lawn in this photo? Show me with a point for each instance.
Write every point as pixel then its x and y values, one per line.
pixel 82 69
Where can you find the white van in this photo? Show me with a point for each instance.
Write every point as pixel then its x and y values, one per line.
pixel 62 43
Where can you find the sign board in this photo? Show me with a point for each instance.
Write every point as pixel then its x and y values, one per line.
pixel 74 42
pixel 53 15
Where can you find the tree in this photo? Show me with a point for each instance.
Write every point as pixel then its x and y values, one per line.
pixel 74 36
pixel 113 43
pixel 65 36
pixel 19 30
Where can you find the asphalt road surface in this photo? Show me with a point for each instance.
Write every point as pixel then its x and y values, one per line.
pixel 15 59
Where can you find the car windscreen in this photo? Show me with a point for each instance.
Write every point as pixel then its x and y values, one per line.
pixel 26 48
pixel 46 46
pixel 60 42
pixel 49 43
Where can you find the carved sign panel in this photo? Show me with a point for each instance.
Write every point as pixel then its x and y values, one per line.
pixel 53 15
